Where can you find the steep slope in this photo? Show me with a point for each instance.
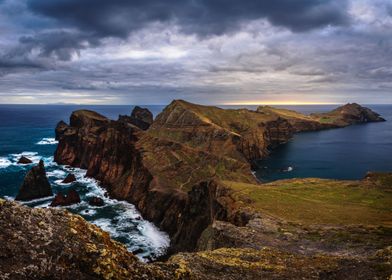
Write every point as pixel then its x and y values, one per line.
pixel 240 134
pixel 162 178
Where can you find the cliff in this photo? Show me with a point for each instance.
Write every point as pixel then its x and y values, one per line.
pixel 173 171
pixel 55 244
pixel 146 170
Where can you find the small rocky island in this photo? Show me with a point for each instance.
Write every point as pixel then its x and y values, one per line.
pixel 189 172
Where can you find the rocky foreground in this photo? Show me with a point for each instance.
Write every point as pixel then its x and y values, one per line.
pixel 189 172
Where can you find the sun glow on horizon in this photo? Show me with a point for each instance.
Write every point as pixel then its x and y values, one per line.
pixel 280 103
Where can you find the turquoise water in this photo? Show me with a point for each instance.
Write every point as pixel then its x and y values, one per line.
pixel 29 130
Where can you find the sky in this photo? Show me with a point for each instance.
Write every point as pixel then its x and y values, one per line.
pixel 203 51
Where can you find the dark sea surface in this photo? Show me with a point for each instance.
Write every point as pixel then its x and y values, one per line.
pixel 346 153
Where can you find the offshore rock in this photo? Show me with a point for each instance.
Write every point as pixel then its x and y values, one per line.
pixel 35 184
pixel 60 199
pixel 96 201
pixel 24 160
pixel 69 179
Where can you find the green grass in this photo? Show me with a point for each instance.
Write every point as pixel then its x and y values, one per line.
pixel 320 201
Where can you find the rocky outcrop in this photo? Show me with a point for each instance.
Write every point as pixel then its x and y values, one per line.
pixel 69 179
pixel 35 184
pixel 24 160
pixel 96 201
pixel 49 243
pixel 144 170
pixel 345 115
pixel 351 113
pixel 55 244
pixel 140 117
pixel 72 197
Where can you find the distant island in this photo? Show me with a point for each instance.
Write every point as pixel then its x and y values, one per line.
pixel 189 171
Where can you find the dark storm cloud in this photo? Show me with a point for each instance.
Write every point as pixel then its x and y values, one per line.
pixel 59 44
pixel 204 17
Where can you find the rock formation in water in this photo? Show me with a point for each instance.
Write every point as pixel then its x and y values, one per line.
pixel 72 197
pixel 69 179
pixel 24 160
pixel 35 184
pixel 172 171
pixel 96 201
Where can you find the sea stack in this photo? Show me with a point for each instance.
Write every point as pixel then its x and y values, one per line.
pixel 35 184
pixel 24 160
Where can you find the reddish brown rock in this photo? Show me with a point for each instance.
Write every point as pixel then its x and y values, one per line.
pixel 96 201
pixel 60 199
pixel 69 179
pixel 172 171
pixel 35 184
pixel 24 160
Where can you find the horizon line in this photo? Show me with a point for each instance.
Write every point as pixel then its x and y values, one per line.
pixel 223 104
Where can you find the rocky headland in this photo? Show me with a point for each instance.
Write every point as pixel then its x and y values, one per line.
pixel 189 172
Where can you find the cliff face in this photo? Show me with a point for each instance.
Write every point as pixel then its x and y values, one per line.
pixel 172 171
pixel 162 178
pixel 240 134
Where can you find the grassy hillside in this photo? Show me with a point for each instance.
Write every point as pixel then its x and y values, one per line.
pixel 320 201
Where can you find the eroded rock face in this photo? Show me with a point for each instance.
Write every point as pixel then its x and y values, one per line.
pixel 35 184
pixel 144 170
pixel 140 117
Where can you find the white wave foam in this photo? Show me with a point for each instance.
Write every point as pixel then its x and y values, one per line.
pixel 4 162
pixel 288 169
pixel 154 236
pixel 58 173
pixel 47 141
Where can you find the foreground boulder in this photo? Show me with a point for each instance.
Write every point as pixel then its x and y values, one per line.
pixel 24 160
pixel 35 184
pixel 55 244
pixel 69 179
pixel 60 199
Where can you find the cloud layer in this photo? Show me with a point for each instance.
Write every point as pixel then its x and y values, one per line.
pixel 209 51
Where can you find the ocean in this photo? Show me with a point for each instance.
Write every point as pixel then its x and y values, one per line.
pixel 346 153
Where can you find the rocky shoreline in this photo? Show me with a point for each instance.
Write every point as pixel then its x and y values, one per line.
pixel 176 164
pixel 189 172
